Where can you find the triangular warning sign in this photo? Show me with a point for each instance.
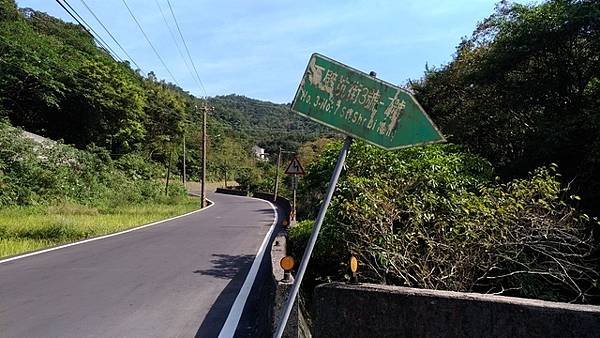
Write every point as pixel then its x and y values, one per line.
pixel 294 168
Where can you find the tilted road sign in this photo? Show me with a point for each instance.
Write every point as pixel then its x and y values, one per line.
pixel 362 106
pixel 294 168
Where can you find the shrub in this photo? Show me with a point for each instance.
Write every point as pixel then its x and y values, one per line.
pixel 32 173
pixel 435 217
pixel 138 167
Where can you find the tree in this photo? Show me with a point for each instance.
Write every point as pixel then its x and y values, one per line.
pixel 435 217
pixel 104 106
pixel 165 114
pixel 523 91
pixel 8 10
pixel 227 157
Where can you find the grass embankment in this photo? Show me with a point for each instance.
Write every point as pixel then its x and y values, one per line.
pixel 28 228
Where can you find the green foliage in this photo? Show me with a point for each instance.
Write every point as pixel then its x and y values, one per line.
pixel 8 10
pixel 298 238
pixel 34 173
pixel 523 91
pixel 266 124
pixel 55 81
pixel 259 177
pixel 435 217
pixel 249 178
pixel 138 167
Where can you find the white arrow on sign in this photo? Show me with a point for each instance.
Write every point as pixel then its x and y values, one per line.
pixel 294 168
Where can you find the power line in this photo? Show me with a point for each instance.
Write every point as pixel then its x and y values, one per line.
pixel 88 28
pixel 109 34
pixel 187 66
pixel 150 43
pixel 186 47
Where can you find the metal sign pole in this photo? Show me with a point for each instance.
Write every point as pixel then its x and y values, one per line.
pixel 295 187
pixel 313 237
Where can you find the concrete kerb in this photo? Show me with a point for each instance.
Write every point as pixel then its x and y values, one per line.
pixel 231 192
pixel 282 288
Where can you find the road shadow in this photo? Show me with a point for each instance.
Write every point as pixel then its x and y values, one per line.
pixel 256 317
pixel 266 212
pixel 234 268
pixel 227 266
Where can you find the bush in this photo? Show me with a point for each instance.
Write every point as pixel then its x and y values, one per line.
pixel 435 217
pixel 138 167
pixel 249 178
pixel 32 173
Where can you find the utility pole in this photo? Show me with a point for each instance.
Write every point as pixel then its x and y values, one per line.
pixel 277 175
pixel 184 170
pixel 168 171
pixel 203 176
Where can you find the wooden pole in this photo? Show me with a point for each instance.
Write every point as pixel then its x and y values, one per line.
pixel 184 168
pixel 203 178
pixel 277 176
pixel 168 172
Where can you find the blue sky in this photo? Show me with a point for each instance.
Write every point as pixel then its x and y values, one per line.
pixel 260 48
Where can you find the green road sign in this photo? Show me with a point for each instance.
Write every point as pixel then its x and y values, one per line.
pixel 362 106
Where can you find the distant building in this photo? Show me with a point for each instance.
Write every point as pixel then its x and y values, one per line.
pixel 259 153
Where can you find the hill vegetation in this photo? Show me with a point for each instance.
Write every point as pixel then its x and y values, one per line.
pixel 266 124
pixel 120 133
pixel 55 81
pixel 524 91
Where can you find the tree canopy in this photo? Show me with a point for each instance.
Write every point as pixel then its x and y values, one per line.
pixel 55 81
pixel 524 91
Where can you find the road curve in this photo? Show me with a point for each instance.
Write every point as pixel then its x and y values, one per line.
pixel 160 281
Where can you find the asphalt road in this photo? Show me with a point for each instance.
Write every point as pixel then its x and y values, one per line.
pixel 175 279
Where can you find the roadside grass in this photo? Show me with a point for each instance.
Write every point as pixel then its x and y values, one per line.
pixel 29 228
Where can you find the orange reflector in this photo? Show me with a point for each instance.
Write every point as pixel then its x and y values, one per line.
pixel 353 264
pixel 287 263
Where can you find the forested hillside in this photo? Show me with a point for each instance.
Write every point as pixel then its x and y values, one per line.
pixel 265 123
pixel 524 91
pixel 55 81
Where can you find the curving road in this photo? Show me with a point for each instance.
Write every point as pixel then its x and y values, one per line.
pixel 174 279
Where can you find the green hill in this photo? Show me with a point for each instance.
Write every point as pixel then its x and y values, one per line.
pixel 265 123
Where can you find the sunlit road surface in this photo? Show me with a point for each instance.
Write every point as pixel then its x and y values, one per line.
pixel 160 281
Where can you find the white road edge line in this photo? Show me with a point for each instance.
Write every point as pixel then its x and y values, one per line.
pixel 233 319
pixel 35 253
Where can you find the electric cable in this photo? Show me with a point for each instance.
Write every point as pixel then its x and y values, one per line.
pixel 89 29
pixel 150 43
pixel 174 39
pixel 186 47
pixel 110 34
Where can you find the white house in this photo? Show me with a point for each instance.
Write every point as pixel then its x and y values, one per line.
pixel 259 152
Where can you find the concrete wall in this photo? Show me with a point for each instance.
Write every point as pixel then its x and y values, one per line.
pixel 281 202
pixel 369 310
pixel 232 192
